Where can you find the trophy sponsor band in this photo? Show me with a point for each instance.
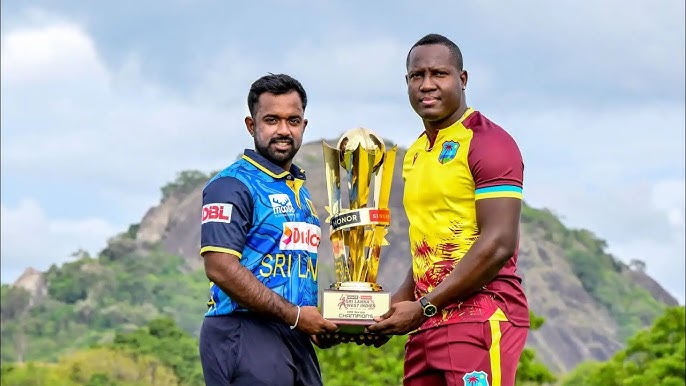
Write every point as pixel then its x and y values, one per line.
pixel 360 217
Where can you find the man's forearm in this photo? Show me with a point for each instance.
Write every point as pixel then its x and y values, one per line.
pixel 406 289
pixel 477 268
pixel 242 286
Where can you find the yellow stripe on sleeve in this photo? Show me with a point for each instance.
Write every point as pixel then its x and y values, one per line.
pixel 480 196
pixel 220 249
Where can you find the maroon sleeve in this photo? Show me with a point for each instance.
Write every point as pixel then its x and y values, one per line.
pixel 494 159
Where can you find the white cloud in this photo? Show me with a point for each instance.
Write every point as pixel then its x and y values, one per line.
pixel 28 238
pixel 111 128
pixel 58 51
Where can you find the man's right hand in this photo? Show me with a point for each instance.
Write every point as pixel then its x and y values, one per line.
pixel 375 340
pixel 311 322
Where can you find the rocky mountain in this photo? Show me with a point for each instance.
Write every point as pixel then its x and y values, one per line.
pixel 591 301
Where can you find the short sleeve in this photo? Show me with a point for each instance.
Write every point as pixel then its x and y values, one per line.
pixel 227 208
pixel 496 164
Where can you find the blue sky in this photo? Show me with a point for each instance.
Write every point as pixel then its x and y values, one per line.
pixel 104 102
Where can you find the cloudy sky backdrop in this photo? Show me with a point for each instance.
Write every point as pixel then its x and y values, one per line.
pixel 104 102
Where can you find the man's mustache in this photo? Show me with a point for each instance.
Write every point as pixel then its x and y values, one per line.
pixel 282 139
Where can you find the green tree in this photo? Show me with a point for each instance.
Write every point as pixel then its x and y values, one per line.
pixel 93 367
pixel 350 364
pixel 164 340
pixel 652 356
pixel 184 183
pixel 529 370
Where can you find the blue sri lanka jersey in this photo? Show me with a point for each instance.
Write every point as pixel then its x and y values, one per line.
pixel 263 215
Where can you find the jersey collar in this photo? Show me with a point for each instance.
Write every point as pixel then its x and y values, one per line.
pixel 270 169
pixel 464 116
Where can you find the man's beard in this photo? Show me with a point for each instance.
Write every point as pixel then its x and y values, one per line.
pixel 277 157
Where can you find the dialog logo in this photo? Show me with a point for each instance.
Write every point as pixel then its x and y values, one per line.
pixel 216 213
pixel 300 236
pixel 281 203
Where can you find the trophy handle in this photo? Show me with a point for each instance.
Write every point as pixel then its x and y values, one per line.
pixel 333 187
pixel 382 194
pixel 383 179
pixel 359 178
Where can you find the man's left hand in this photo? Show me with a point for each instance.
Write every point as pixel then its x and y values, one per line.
pixel 403 317
pixel 325 341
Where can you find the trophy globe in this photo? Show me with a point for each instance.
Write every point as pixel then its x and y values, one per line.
pixel 367 140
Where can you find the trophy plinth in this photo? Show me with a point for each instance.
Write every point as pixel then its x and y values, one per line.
pixel 354 305
pixel 357 232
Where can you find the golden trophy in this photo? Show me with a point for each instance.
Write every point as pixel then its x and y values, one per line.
pixel 358 232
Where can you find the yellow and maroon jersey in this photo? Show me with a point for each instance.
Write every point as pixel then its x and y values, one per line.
pixel 471 160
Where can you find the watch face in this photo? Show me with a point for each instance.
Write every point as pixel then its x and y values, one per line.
pixel 430 310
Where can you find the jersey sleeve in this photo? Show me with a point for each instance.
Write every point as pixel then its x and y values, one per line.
pixel 496 165
pixel 227 208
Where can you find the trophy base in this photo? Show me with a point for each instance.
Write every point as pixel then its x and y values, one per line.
pixel 354 305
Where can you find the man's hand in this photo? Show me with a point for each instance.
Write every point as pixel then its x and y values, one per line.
pixel 311 321
pixel 402 318
pixel 335 338
pixel 375 340
pixel 325 340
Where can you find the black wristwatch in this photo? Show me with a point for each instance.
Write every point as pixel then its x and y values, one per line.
pixel 428 308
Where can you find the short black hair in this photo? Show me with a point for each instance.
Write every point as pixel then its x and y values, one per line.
pixel 431 39
pixel 277 84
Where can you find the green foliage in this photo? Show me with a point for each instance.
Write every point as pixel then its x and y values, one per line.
pixel 14 302
pixel 95 367
pixel 62 288
pixel 532 372
pixel 184 183
pixel 601 275
pixel 132 231
pixel 652 356
pixel 350 364
pixel 174 347
pixel 529 370
pixel 92 299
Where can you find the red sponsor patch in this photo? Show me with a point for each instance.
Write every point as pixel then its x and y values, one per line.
pixel 300 236
pixel 216 213
pixel 380 215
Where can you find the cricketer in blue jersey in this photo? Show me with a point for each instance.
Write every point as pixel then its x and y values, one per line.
pixel 264 216
pixel 259 239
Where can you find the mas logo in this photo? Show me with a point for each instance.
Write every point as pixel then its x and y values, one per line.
pixel 448 151
pixel 300 236
pixel 281 203
pixel 475 378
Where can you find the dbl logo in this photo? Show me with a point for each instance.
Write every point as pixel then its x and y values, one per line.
pixel 216 213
